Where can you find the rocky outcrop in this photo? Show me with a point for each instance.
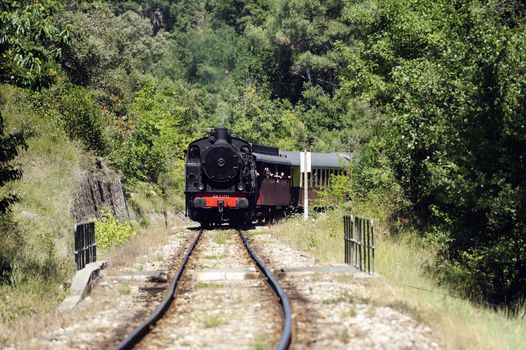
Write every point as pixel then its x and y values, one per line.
pixel 99 187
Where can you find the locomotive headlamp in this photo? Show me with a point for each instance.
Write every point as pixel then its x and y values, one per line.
pixel 241 187
pixel 201 186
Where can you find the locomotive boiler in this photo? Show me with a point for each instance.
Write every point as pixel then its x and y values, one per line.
pixel 220 179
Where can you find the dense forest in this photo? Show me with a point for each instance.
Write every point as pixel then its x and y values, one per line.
pixel 429 96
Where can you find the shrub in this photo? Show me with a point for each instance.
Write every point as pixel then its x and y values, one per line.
pixel 109 231
pixel 83 118
pixel 337 194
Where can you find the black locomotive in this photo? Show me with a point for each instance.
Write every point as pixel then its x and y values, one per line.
pixel 220 178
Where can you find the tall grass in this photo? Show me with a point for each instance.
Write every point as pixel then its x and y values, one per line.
pixel 319 235
pixel 51 167
pixel 408 286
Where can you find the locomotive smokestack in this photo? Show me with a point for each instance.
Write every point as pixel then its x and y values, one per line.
pixel 220 134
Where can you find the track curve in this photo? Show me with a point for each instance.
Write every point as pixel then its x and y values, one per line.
pixel 144 328
pixel 286 337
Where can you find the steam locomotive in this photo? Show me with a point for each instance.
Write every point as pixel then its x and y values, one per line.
pixel 229 179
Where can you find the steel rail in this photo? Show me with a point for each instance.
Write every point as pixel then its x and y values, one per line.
pixel 286 310
pixel 138 333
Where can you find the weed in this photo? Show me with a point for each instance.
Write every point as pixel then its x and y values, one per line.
pixel 343 298
pixel 215 257
pixel 261 344
pixel 212 321
pixel 211 285
pixel 221 237
pixel 124 289
pixel 343 336
pixel 358 333
pixel 109 231
pixel 312 242
pixel 349 313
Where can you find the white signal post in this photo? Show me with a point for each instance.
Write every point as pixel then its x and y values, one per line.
pixel 305 168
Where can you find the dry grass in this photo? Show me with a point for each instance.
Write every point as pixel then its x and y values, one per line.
pixel 215 257
pixel 457 323
pixel 319 236
pixel 139 245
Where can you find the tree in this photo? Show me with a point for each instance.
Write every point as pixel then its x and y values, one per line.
pixel 31 40
pixel 9 144
pixel 304 34
pixel 448 79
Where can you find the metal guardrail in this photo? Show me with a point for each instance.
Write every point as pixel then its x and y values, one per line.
pixel 85 244
pixel 359 242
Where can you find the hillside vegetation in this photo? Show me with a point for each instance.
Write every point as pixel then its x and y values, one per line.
pixel 429 96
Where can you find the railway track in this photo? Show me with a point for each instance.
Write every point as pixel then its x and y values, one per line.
pixel 152 331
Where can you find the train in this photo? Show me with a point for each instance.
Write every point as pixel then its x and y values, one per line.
pixel 231 180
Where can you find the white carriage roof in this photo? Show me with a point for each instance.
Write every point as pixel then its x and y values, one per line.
pixel 320 160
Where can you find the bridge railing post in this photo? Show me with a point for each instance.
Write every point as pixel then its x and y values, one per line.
pixel 85 244
pixel 358 237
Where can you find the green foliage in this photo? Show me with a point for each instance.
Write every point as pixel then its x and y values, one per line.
pixel 74 109
pixel 9 145
pixel 109 231
pixel 337 194
pixel 82 118
pixel 165 117
pixel 31 39
pixel 209 58
pixel 447 79
pixel 260 120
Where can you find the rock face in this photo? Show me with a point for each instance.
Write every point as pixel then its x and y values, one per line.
pixel 99 187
